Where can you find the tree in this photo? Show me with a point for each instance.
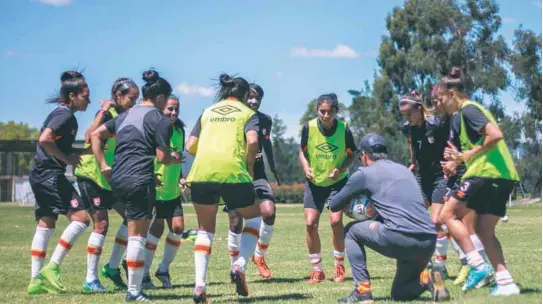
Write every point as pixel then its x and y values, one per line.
pixel 18 131
pixel 285 152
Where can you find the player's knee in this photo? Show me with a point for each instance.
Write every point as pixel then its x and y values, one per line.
pixel 268 215
pixel 399 293
pixel 101 227
pixel 235 222
pixel 436 219
pixel 177 230
pixel 336 222
pixel 312 226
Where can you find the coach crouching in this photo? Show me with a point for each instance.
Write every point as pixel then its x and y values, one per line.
pixel 404 231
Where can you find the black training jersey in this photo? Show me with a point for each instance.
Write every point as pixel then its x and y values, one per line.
pixel 265 122
pixel 139 131
pixel 428 142
pixel 64 126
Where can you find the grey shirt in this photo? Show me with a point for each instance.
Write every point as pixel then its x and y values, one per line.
pixel 395 193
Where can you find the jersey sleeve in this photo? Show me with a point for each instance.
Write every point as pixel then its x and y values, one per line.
pixel 253 124
pixel 474 118
pixel 58 120
pixel 110 125
pixel 197 128
pixel 354 187
pixel 305 136
pixel 163 132
pixel 266 126
pixel 349 141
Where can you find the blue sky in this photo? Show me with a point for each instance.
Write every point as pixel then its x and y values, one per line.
pixel 296 50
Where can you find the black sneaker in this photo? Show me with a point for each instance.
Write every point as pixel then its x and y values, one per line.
pixel 164 278
pixel 356 297
pixel 199 296
pixel 141 297
pixel 146 283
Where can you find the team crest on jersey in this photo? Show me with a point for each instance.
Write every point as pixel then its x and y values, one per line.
pixel 73 132
pixel 264 131
pixel 431 139
pixel 96 201
pixel 74 203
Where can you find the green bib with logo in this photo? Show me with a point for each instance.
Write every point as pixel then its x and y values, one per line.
pixel 169 175
pixel 326 153
pixel 89 167
pixel 221 156
pixel 495 163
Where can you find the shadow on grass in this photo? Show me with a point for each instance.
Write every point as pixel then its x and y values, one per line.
pixel 191 285
pixel 281 280
pixel 286 297
pixel 529 290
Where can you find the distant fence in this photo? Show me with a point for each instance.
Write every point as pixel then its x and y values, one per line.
pixel 17 189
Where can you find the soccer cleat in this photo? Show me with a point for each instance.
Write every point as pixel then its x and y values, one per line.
pixel 199 296
pixel 93 287
pixel 504 290
pixel 189 235
pixel 339 274
pixel 316 277
pixel 475 276
pixel 115 276
pixel 51 273
pixel 462 275
pixel 146 282
pixel 164 278
pixel 141 297
pixel 434 281
pixel 362 294
pixel 263 269
pixel 37 286
pixel 238 277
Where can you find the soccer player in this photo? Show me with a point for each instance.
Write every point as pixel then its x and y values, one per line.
pixel 143 133
pixel 168 204
pixel 225 143
pixel 53 192
pixel 96 191
pixel 263 190
pixel 485 186
pixel 404 231
pixel 326 152
pixel 427 136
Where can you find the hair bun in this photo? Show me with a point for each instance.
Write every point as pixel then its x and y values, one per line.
pixel 226 80
pixel 71 75
pixel 150 76
pixel 332 96
pixel 456 72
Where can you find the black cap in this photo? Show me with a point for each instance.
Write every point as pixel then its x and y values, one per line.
pixel 373 143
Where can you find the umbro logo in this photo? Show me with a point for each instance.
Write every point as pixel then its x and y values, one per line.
pixel 226 110
pixel 326 147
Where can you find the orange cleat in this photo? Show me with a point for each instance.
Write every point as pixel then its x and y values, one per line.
pixel 339 274
pixel 263 269
pixel 316 277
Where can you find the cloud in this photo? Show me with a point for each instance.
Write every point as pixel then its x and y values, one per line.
pixel 340 51
pixel 56 2
pixel 509 20
pixel 537 3
pixel 188 89
pixel 11 54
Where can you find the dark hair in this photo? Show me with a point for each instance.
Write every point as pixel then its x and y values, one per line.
pixel 330 98
pixel 174 97
pixel 377 156
pixel 258 89
pixel 71 82
pixel 455 80
pixel 122 85
pixel 236 87
pixel 415 98
pixel 154 85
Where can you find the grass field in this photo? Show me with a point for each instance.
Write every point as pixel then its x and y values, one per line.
pixel 520 237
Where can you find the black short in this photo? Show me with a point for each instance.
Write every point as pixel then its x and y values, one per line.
pixel 138 202
pixel 485 195
pixel 263 192
pixel 55 195
pixel 315 197
pixel 168 209
pixel 94 196
pixel 433 188
pixel 234 195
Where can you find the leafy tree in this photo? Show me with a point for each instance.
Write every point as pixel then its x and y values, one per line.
pixel 18 131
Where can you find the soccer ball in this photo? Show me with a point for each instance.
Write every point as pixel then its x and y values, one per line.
pixel 361 209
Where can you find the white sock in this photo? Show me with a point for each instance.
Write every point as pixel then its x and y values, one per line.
pixel 442 245
pixel 478 245
pixel 202 251
pixel 249 237
pixel 234 241
pixel 316 261
pixel 38 249
pixel 339 257
pixel 170 250
pixel 475 260
pixel 504 278
pixel 266 232
pixel 459 251
pixel 67 239
pixel 94 250
pixel 119 247
pixel 135 261
pixel 150 248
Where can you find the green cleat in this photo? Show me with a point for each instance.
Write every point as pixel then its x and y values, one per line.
pixel 115 276
pixel 51 273
pixel 462 275
pixel 37 286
